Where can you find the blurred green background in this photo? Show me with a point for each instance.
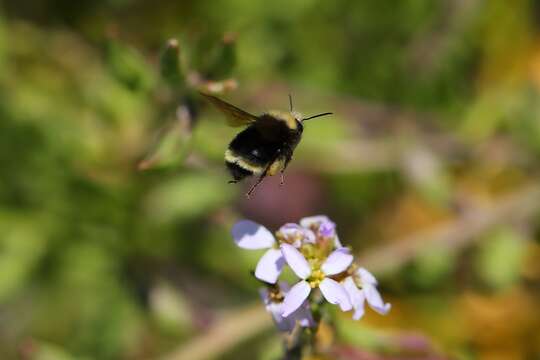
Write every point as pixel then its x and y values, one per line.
pixel 114 204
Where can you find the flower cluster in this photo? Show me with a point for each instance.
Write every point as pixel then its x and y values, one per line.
pixel 314 253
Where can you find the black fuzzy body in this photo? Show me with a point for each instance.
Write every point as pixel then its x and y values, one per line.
pixel 260 145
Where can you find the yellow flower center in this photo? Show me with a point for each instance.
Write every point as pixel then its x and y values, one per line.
pixel 317 276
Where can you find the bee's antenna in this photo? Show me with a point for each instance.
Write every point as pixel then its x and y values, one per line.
pixel 290 102
pixel 315 116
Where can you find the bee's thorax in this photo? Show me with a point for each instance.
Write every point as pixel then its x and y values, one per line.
pixel 289 118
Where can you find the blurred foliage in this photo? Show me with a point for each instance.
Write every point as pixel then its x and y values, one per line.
pixel 114 204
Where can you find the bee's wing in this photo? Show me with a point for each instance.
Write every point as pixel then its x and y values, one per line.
pixel 235 116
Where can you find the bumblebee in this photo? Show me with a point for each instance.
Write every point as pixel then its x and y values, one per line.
pixel 266 146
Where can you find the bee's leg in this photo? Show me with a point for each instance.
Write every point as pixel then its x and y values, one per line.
pixel 232 181
pixel 259 180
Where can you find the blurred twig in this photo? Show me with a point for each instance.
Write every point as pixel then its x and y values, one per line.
pixel 471 222
pixel 231 329
pixel 465 228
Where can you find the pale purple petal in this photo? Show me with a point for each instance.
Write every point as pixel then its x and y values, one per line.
pixel 291 230
pixel 303 316
pixel 284 287
pixel 269 266
pixel 327 229
pixel 265 295
pixel 295 298
pixel 309 237
pixel 275 309
pixel 296 261
pixel 334 293
pixel 338 261
pixel 310 221
pixel 375 301
pixel 337 243
pixel 250 235
pixel 283 324
pixel 356 296
pixel 366 277
pixel 295 234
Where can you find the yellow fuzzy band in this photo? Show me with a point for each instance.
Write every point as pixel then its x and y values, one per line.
pixel 233 158
pixel 287 117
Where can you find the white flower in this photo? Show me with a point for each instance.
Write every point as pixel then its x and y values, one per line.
pixel 302 316
pixel 362 287
pixel 250 235
pixel 337 262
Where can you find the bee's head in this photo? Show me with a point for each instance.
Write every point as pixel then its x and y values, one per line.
pixel 299 126
pixel 298 117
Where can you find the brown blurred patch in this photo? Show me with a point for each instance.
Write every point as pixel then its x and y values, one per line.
pixel 501 326
pixel 408 214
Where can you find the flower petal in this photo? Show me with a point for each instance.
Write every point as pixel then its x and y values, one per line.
pixel 290 229
pixel 250 235
pixel 366 277
pixel 294 234
pixel 296 261
pixel 309 237
pixel 295 298
pixel 283 324
pixel 337 243
pixel 269 266
pixel 284 287
pixel 327 229
pixel 375 301
pixel 275 310
pixel 303 316
pixel 310 221
pixel 265 295
pixel 338 261
pixel 356 296
pixel 334 293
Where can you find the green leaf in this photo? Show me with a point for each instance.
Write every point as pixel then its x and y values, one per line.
pixel 170 66
pixel 499 258
pixel 170 308
pixel 188 196
pixel 359 335
pixel 21 247
pixel 431 267
pixel 172 145
pixel 47 351
pixel 223 58
pixel 128 66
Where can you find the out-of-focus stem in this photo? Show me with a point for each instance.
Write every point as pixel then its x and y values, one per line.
pixel 234 327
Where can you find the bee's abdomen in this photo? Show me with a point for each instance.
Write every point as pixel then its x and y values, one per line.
pixel 242 161
pixel 237 172
pixel 249 153
pixel 252 147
